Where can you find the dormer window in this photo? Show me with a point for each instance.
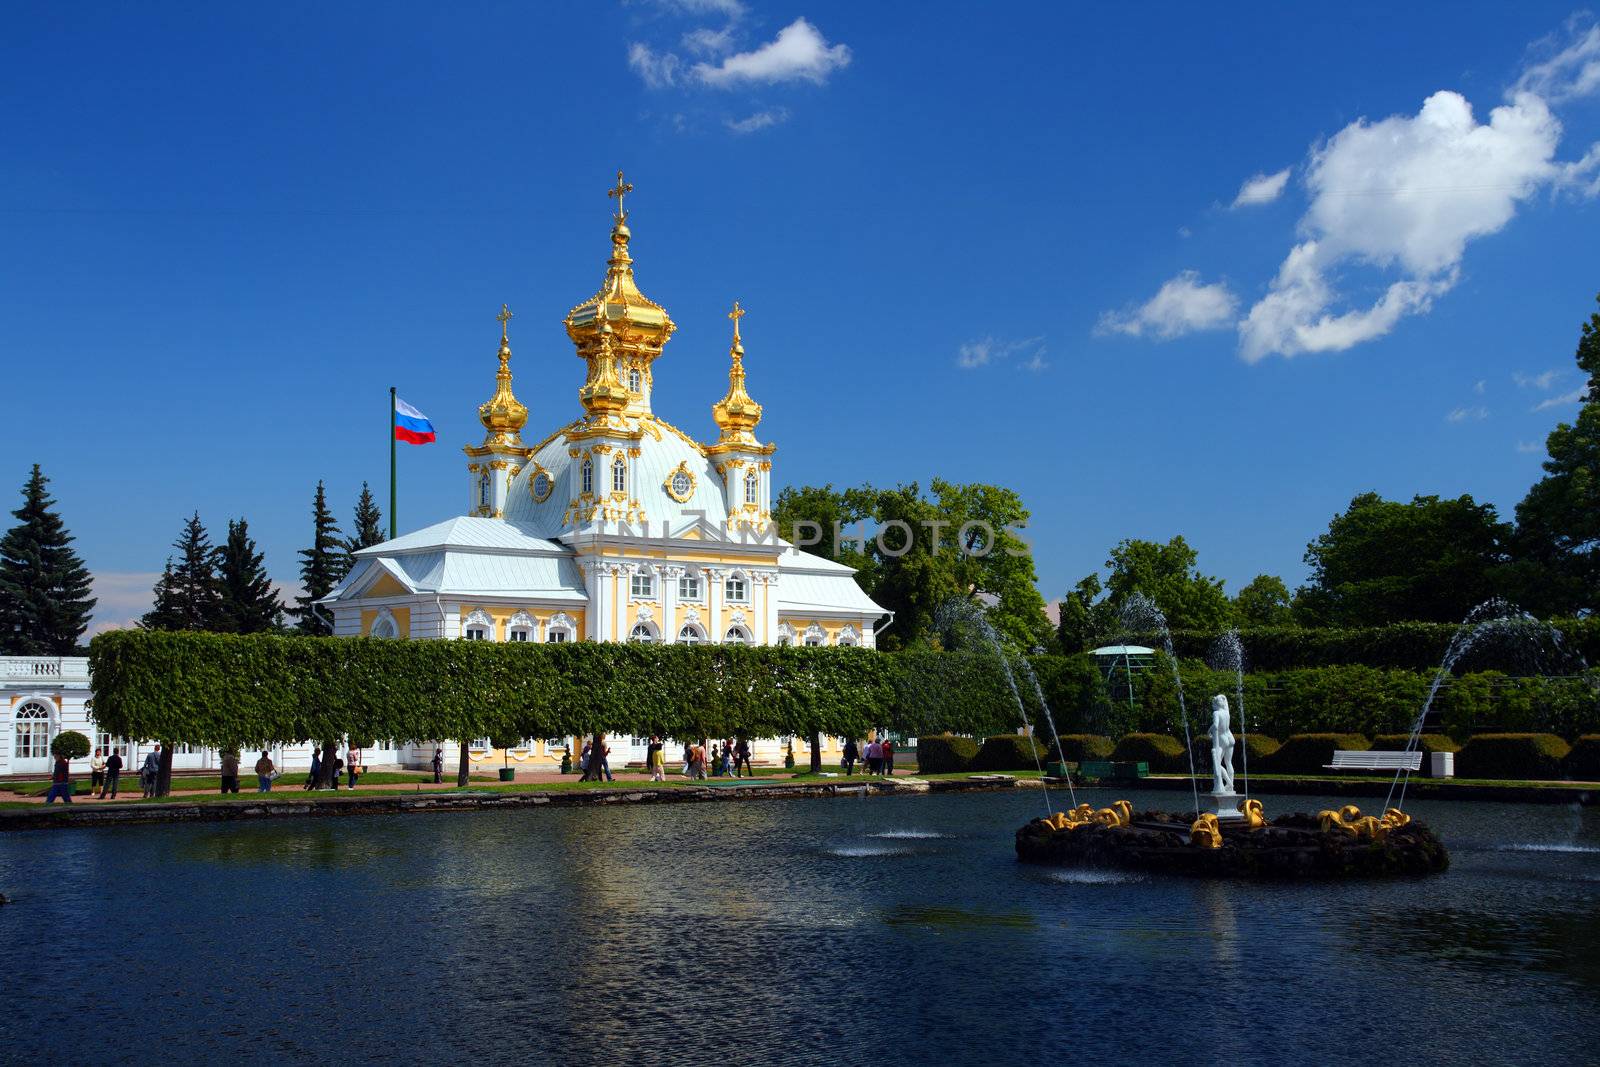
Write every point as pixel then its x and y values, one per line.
pixel 588 475
pixel 619 475
pixel 752 488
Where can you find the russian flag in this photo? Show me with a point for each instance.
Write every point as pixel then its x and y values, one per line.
pixel 411 425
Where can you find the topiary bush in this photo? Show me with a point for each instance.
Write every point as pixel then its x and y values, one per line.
pixel 1007 752
pixel 1425 743
pixel 1075 748
pixel 1521 756
pixel 1583 762
pixel 945 753
pixel 69 744
pixel 1163 752
pixel 1311 753
pixel 1261 748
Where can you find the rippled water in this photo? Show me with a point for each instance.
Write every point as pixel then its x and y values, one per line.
pixel 847 930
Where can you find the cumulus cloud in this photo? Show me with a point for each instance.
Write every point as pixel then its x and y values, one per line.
pixel 991 350
pixel 1182 305
pixel 1262 189
pixel 656 69
pixel 1475 413
pixel 1569 71
pixel 708 42
pixel 798 53
pixel 1574 397
pixel 761 120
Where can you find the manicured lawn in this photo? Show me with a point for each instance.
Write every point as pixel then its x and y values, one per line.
pixel 213 784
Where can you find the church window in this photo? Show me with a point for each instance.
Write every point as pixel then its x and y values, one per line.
pixel 642 634
pixel 619 475
pixel 689 587
pixel 635 379
pixel 752 488
pixel 736 590
pixel 483 491
pixel 542 485
pixel 384 626
pixel 737 635
pixel 682 484
pixel 644 586
pixel 690 635
pixel 588 475
pixel 33 731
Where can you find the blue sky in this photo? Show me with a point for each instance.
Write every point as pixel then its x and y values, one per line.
pixel 1162 270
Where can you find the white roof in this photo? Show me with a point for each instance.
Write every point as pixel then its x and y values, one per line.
pixel 813 585
pixel 467 531
pixel 1123 650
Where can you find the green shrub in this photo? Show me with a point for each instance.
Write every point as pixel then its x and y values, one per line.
pixel 1410 646
pixel 1425 743
pixel 1311 753
pixel 1162 752
pixel 1260 748
pixel 69 744
pixel 1075 748
pixel 945 753
pixel 1522 756
pixel 1583 762
pixel 1008 752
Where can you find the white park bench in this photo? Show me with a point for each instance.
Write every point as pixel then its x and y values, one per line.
pixel 1347 760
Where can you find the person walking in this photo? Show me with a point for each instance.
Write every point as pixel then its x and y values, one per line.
pixel 438 765
pixel 697 761
pixel 656 757
pixel 741 759
pixel 113 774
pixel 230 773
pixel 874 754
pixel 887 755
pixel 264 773
pixel 850 755
pixel 727 759
pixel 60 782
pixel 603 758
pixel 151 771
pixel 688 759
pixel 97 771
pixel 316 767
pixel 354 768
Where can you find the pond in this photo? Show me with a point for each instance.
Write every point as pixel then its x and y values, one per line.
pixel 892 929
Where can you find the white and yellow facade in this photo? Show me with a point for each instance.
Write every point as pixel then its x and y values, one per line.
pixel 618 526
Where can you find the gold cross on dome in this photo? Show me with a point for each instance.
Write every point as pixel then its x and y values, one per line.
pixel 622 189
pixel 504 317
pixel 736 314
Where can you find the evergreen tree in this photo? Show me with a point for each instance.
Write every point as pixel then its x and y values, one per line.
pixel 368 529
pixel 44 586
pixel 188 595
pixel 321 567
pixel 249 603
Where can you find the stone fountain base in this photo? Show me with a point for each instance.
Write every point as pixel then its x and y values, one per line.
pixel 1290 846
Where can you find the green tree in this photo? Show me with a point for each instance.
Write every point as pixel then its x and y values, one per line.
pixel 188 595
pixel 368 526
pixel 1383 561
pixel 44 586
pixel 1264 601
pixel 321 567
pixel 822 520
pixel 1558 522
pixel 250 604
pixel 1088 620
pixel 1169 574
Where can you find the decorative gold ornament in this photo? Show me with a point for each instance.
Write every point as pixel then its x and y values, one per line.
pixel 1206 832
pixel 603 395
pixel 736 414
pixel 504 415
pixel 1394 818
pixel 1120 813
pixel 1255 817
pixel 680 483
pixel 541 483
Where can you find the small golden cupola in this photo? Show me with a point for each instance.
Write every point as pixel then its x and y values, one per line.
pixel 736 414
pixel 497 461
pixel 743 461
pixel 639 327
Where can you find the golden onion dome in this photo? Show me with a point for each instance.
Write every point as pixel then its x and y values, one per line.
pixel 641 326
pixel 504 415
pixel 736 414
pixel 604 394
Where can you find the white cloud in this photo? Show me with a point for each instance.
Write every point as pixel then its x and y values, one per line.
pixel 121 597
pixel 708 42
pixel 1566 72
pixel 991 350
pixel 656 69
pixel 1541 381
pixel 1480 386
pixel 761 120
pixel 1529 448
pixel 1182 305
pixel 1262 189
pixel 1574 397
pixel 798 53
pixel 730 9
pixel 1476 413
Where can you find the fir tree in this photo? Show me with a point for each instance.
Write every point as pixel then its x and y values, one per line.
pixel 44 586
pixel 368 526
pixel 188 595
pixel 321 567
pixel 249 602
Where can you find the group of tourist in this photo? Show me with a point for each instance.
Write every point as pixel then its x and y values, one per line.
pixel 727 759
pixel 877 755
pixel 351 767
pixel 595 761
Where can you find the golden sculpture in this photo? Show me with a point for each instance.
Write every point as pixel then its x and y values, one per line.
pixel 1120 813
pixel 1254 816
pixel 1394 818
pixel 1082 815
pixel 1351 821
pixel 1206 832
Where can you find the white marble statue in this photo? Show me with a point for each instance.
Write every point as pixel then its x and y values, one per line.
pixel 1221 745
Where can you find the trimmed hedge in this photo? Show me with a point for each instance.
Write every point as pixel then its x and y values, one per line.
pixel 69 744
pixel 1008 752
pixel 1163 752
pixel 1527 756
pixel 1583 762
pixel 1075 748
pixel 1311 753
pixel 945 754
pixel 1425 743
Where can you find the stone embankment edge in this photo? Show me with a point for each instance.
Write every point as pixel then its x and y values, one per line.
pixel 38 818
pixel 1419 788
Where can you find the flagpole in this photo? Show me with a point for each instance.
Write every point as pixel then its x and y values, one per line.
pixel 391 464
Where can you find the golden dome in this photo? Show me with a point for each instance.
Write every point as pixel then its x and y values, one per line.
pixel 640 325
pixel 603 395
pixel 504 415
pixel 736 414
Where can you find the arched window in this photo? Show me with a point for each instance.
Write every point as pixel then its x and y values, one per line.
pixel 33 731
pixel 752 488
pixel 736 635
pixel 619 475
pixel 642 633
pixel 560 628
pixel 588 475
pixel 384 627
pixel 815 636
pixel 690 635
pixel 520 627
pixel 635 380
pixel 483 491
pixel 478 626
